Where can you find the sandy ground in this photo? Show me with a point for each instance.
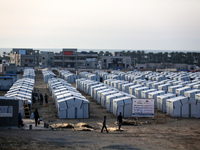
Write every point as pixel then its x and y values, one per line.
pixel 176 133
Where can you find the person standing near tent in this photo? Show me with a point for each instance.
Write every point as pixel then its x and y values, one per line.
pixel 33 97
pixel 41 99
pixel 38 95
pixel 46 98
pixel 36 116
pixel 104 125
pixel 20 122
pixel 119 119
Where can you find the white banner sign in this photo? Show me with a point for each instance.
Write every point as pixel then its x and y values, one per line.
pixel 143 108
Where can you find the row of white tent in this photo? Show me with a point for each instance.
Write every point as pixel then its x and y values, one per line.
pixel 29 73
pixel 155 76
pixel 149 75
pixel 68 101
pixel 104 75
pixel 47 74
pixel 22 90
pixel 88 75
pixel 188 102
pixel 113 100
pixel 68 76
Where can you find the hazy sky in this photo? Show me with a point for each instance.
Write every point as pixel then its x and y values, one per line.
pixel 100 24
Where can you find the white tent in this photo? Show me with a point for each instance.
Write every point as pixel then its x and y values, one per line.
pixel 122 105
pixel 164 87
pixel 88 91
pixel 121 84
pixel 197 114
pixel 192 84
pixel 161 101
pixel 138 91
pixel 73 108
pixel 109 101
pixel 172 89
pixel 132 89
pixel 104 97
pixel 192 101
pixel 91 93
pixel 125 87
pixel 146 92
pixel 150 84
pixel 184 83
pixel 99 96
pixel 180 91
pixel 196 86
pixel 191 94
pixel 116 83
pixel 98 89
pixel 155 85
pixel 177 107
pixel 153 95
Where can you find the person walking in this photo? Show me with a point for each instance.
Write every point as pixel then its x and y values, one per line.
pixel 36 116
pixel 104 125
pixel 33 97
pixel 46 98
pixel 38 95
pixel 41 99
pixel 119 119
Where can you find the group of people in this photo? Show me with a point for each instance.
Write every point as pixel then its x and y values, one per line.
pixel 39 97
pixel 119 119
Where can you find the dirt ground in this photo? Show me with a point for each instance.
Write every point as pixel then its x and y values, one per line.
pixel 176 133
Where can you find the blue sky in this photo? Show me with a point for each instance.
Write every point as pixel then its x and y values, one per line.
pixel 100 24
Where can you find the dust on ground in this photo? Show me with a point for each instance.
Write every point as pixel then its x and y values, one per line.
pixel 176 133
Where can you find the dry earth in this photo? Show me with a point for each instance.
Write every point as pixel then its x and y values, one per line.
pixel 177 133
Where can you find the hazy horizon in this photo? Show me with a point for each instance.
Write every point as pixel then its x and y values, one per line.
pixel 106 24
pixel 98 50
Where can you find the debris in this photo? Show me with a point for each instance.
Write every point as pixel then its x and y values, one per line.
pixel 83 127
pixel 78 127
pixel 134 123
pixel 62 125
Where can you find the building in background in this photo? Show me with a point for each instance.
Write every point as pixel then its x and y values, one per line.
pixel 47 59
pixel 24 57
pixel 117 61
pixel 91 63
pixel 87 59
pixel 70 58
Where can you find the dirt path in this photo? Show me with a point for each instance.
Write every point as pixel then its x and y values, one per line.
pixel 48 113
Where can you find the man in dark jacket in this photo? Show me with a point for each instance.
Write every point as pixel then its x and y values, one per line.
pixel 104 125
pixel 41 99
pixel 36 116
pixel 119 119
pixel 46 98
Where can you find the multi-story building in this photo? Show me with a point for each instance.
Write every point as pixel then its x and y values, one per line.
pixel 24 57
pixel 70 58
pixel 67 58
pixel 117 61
pixel 47 59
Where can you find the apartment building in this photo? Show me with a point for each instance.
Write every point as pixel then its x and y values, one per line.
pixel 117 61
pixel 24 57
pixel 70 58
pixel 47 59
